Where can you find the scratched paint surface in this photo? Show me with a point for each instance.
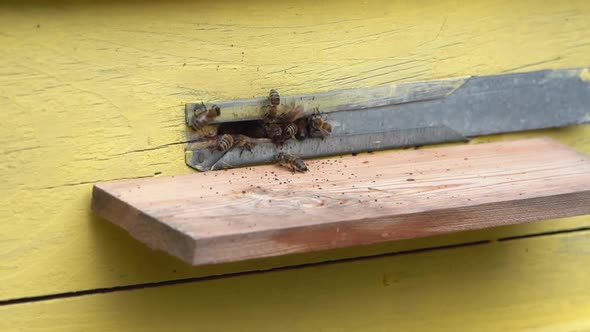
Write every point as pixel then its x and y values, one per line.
pixel 95 91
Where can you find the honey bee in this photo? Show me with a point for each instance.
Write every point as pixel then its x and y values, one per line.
pixel 204 116
pixel 225 142
pixel 277 112
pixel 278 122
pixel 274 97
pixel 319 126
pixel 275 100
pixel 288 116
pixel 302 131
pixel 294 163
pixel 274 132
pixel 245 143
pixel 289 131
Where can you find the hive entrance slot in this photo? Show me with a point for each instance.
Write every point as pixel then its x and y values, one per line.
pixel 252 128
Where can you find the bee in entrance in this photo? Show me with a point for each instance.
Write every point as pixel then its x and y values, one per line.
pixel 289 131
pixel 274 131
pixel 302 131
pixel 294 163
pixel 286 120
pixel 203 116
pixel 225 142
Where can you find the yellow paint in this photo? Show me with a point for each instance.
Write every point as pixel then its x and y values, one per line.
pixel 95 91
pixel 502 286
pixel 585 74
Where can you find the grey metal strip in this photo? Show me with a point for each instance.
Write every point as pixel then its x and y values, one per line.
pixel 412 116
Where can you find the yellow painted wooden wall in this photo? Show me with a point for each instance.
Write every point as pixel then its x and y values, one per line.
pixel 94 91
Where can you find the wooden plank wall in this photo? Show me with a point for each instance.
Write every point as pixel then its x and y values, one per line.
pixel 94 91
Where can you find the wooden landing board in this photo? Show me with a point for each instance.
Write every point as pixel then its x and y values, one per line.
pixel 249 213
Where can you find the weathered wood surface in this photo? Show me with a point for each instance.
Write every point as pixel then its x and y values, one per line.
pixel 95 91
pixel 265 211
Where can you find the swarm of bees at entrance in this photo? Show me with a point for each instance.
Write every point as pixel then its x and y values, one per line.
pixel 283 122
pixel 280 123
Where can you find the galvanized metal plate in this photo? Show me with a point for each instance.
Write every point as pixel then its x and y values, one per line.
pixel 414 114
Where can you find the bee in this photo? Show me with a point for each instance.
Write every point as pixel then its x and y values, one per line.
pixel 288 116
pixel 289 131
pixel 204 116
pixel 245 143
pixel 279 119
pixel 319 126
pixel 275 100
pixel 225 143
pixel 274 132
pixel 277 112
pixel 302 131
pixel 294 163
pixel 274 97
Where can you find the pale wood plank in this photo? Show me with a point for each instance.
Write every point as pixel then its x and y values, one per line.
pixel 266 211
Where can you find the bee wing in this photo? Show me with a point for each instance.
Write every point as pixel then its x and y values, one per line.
pixel 324 131
pixel 290 114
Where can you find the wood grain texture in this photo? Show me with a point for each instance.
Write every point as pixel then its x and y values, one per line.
pixel 534 284
pixel 95 91
pixel 260 212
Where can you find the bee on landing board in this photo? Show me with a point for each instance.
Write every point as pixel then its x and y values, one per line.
pixel 294 163
pixel 202 117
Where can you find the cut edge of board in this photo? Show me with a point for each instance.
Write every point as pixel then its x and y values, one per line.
pixel 253 245
pixel 142 226
pixel 365 233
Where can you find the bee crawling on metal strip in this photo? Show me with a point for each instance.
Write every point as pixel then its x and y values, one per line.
pixel 226 142
pixel 203 116
pixel 245 143
pixel 271 107
pixel 294 163
pixel 319 127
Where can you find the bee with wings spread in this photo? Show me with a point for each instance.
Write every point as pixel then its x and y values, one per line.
pixel 279 120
